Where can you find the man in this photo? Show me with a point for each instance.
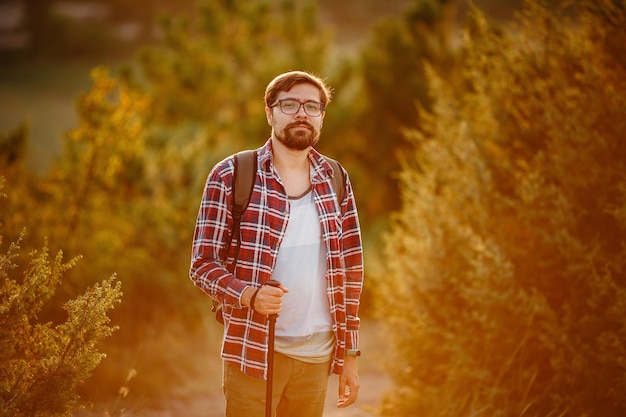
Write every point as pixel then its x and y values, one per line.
pixel 294 231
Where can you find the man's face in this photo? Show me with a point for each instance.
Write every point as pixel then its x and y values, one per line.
pixel 300 130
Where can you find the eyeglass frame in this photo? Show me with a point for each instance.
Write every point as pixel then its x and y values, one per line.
pixel 301 104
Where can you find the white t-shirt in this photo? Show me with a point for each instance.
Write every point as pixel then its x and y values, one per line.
pixel 304 327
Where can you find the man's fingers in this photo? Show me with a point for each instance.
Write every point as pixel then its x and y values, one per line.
pixel 347 395
pixel 269 300
pixel 342 394
pixel 348 399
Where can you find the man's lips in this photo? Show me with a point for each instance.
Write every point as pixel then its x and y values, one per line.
pixel 297 125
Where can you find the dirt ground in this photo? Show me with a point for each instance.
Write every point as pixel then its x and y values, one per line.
pixel 370 394
pixel 375 382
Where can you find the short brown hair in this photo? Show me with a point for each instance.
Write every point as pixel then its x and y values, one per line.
pixel 285 81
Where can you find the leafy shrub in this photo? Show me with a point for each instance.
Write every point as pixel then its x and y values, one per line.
pixel 507 258
pixel 44 363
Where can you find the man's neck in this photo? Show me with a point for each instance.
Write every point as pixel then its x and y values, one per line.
pixel 290 159
pixel 293 168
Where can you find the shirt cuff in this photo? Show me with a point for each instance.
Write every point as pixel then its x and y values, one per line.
pixel 241 295
pixel 352 340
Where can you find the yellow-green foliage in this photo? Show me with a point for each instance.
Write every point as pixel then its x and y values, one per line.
pixel 507 260
pixel 393 86
pixel 207 79
pixel 125 192
pixel 43 363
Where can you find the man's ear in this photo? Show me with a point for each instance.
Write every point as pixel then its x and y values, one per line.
pixel 268 113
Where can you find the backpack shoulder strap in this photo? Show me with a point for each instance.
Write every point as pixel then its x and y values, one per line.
pixel 243 180
pixel 244 173
pixel 338 179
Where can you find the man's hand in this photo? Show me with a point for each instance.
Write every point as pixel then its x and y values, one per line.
pixel 267 301
pixel 348 382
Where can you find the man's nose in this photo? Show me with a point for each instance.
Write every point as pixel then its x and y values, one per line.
pixel 301 112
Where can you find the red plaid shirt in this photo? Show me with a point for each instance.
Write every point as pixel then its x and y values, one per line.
pixel 263 227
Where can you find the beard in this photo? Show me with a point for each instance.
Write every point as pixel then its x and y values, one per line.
pixel 298 139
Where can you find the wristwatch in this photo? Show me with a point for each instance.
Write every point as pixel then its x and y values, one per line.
pixel 352 352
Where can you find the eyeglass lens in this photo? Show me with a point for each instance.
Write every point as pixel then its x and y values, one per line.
pixel 312 108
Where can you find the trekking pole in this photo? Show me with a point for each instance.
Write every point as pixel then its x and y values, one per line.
pixel 270 357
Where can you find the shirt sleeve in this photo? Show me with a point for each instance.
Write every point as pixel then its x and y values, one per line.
pixel 212 235
pixel 353 260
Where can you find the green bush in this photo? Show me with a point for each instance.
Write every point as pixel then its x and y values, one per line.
pixel 44 363
pixel 507 259
pixel 125 191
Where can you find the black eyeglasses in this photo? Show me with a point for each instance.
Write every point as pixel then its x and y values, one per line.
pixel 291 106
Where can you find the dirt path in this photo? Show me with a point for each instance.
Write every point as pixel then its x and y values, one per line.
pixel 374 384
pixel 372 387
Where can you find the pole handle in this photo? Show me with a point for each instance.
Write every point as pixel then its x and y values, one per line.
pixel 273 283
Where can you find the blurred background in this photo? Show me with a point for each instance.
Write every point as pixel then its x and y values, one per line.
pixel 484 141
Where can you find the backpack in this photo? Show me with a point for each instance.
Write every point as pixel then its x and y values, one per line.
pixel 244 175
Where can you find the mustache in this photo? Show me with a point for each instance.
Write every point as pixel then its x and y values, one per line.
pixel 299 124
